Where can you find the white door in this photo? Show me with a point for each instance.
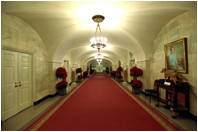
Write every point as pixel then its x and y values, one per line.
pixel 13 96
pixel 9 84
pixel 24 79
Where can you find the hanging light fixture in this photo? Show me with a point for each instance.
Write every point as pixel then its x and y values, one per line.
pixel 99 58
pixel 98 42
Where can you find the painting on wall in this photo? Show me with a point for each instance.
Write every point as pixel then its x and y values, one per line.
pixel 176 56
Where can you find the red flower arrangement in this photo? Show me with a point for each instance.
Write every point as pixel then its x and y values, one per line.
pixel 85 73
pixel 119 76
pixel 61 85
pixel 78 70
pixel 119 69
pixel 107 69
pixel 61 73
pixel 136 72
pixel 91 71
pixel 80 77
pixel 136 83
pixel 112 72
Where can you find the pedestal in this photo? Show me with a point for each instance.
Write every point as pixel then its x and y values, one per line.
pixel 73 83
pixel 125 76
pixel 73 77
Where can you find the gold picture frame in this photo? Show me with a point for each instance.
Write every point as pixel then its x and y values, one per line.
pixel 176 56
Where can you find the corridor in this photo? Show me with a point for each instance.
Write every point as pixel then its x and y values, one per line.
pixel 12 123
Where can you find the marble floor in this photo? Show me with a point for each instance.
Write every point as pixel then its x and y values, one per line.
pixel 23 119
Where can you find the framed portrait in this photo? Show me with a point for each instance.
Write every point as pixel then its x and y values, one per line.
pixel 176 56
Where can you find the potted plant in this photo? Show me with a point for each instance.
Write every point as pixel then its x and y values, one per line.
pixel 136 72
pixel 136 85
pixel 91 71
pixel 78 70
pixel 85 73
pixel 119 70
pixel 79 78
pixel 107 70
pixel 61 73
pixel 113 73
pixel 119 78
pixel 62 85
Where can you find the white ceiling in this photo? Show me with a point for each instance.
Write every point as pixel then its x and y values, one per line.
pixel 67 26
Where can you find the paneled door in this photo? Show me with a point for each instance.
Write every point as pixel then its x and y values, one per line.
pixel 24 79
pixel 15 83
pixel 9 85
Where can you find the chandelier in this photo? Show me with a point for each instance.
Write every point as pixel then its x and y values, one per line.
pixel 99 58
pixel 98 42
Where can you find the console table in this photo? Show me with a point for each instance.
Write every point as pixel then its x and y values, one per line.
pixel 174 107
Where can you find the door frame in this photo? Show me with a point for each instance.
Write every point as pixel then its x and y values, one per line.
pixel 33 70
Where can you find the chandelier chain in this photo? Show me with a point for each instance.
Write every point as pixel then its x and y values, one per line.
pixel 98 26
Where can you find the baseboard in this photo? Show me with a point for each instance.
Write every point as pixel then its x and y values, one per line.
pixel 44 98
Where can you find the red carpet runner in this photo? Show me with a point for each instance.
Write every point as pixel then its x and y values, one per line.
pixel 100 103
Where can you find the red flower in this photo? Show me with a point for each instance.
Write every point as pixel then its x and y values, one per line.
pixel 136 84
pixel 119 69
pixel 78 70
pixel 136 72
pixel 61 73
pixel 80 77
pixel 85 73
pixel 119 76
pixel 61 85
pixel 112 72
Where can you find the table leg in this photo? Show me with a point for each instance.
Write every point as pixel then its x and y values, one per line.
pixel 157 97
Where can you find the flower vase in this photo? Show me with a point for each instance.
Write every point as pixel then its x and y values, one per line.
pixel 62 91
pixel 79 80
pixel 134 78
pixel 136 90
pixel 119 79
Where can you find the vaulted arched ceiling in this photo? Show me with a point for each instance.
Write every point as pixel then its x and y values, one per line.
pixel 67 26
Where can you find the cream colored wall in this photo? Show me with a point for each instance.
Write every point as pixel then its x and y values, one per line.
pixel 182 26
pixel 18 35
